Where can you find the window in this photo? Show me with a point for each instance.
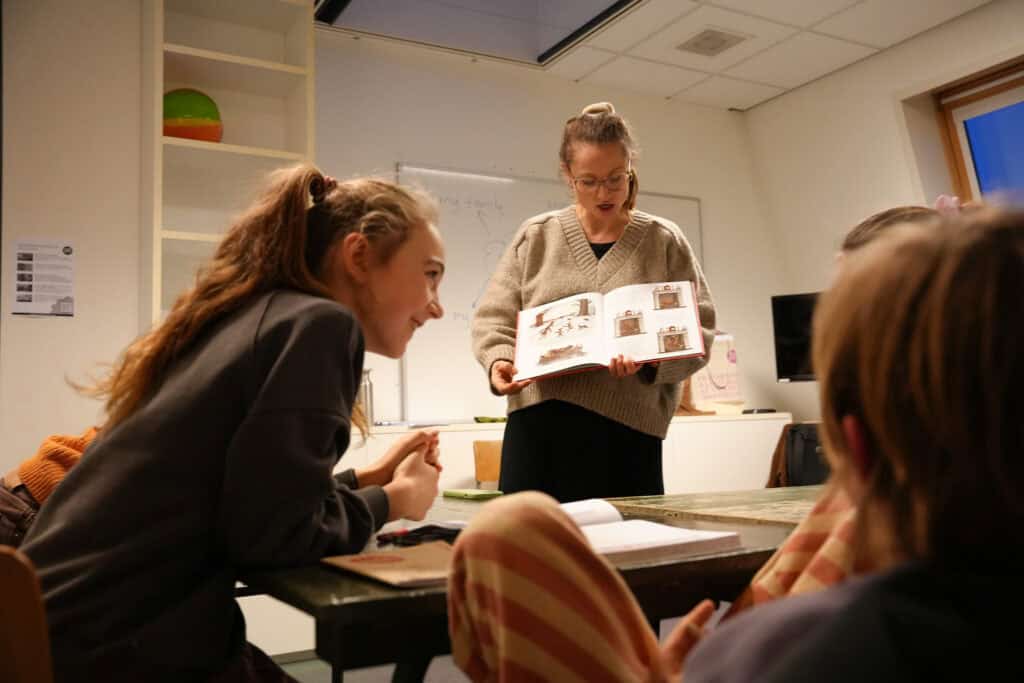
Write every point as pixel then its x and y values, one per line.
pixel 996 140
pixel 983 126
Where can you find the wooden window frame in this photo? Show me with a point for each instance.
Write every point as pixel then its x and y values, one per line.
pixel 963 92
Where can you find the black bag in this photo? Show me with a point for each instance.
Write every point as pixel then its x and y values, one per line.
pixel 805 460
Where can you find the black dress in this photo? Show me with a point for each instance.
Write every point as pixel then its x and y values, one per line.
pixel 572 453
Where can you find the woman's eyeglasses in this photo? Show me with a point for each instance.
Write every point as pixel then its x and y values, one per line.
pixel 589 184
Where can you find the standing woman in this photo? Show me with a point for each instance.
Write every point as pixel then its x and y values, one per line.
pixel 592 434
pixel 224 425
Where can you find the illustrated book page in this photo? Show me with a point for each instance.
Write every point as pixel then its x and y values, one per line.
pixel 647 322
pixel 653 321
pixel 560 336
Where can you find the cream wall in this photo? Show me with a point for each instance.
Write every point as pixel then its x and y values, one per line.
pixel 379 103
pixel 831 153
pixel 778 184
pixel 70 171
pixel 375 102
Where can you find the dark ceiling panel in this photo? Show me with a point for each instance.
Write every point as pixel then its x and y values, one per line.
pixel 583 30
pixel 511 30
pixel 328 11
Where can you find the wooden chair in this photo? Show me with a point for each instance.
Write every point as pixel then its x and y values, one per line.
pixel 487 459
pixel 24 637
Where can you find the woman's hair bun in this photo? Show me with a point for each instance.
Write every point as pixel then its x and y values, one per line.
pixel 598 108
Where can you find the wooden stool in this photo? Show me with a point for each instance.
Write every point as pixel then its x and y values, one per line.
pixel 487 459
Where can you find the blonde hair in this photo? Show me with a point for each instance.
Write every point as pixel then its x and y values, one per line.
pixel 920 338
pixel 598 124
pixel 869 228
pixel 281 241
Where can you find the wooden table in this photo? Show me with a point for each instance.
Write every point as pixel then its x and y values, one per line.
pixel 362 623
pixel 786 505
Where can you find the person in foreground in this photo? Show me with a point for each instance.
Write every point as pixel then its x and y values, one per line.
pixel 818 553
pixel 916 350
pixel 598 433
pixel 223 427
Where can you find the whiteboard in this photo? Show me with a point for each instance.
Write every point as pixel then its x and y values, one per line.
pixel 480 213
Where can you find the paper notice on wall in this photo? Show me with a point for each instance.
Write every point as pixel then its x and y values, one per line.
pixel 44 278
pixel 716 386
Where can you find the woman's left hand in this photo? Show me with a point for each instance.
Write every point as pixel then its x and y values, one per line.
pixel 623 366
pixel 383 470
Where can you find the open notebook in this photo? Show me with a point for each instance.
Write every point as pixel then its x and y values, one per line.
pixel 617 539
pixel 639 539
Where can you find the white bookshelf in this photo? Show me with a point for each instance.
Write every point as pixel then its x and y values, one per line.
pixel 255 59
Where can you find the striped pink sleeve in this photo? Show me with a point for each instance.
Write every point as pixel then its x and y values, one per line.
pixel 818 553
pixel 528 600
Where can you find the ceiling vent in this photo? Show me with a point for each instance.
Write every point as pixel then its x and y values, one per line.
pixel 711 42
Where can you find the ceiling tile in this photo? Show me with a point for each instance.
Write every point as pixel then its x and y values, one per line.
pixel 578 62
pixel 728 93
pixel 662 45
pixel 874 22
pixel 626 31
pixel 800 59
pixel 646 77
pixel 796 12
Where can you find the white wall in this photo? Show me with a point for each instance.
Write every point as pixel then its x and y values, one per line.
pixel 821 158
pixel 831 153
pixel 70 171
pixel 379 103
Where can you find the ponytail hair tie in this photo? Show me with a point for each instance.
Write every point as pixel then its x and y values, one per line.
pixel 320 186
pixel 316 189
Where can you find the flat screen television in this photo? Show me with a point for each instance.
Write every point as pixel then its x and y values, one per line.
pixel 791 325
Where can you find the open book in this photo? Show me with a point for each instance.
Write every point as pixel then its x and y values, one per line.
pixel 427 564
pixel 638 539
pixel 648 322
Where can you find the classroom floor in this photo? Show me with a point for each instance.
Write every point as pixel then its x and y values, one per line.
pixel 441 670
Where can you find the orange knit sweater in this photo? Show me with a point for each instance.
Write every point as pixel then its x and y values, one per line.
pixel 56 455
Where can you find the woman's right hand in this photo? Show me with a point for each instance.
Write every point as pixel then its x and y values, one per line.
pixel 502 373
pixel 414 487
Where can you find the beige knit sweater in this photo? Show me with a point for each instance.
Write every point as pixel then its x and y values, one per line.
pixel 550 258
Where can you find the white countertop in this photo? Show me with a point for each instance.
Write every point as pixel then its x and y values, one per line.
pixel 493 426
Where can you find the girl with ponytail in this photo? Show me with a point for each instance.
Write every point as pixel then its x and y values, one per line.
pixel 224 425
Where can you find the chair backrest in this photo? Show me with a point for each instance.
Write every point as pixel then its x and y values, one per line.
pixel 24 637
pixel 487 459
pixel 798 459
pixel 805 459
